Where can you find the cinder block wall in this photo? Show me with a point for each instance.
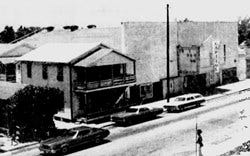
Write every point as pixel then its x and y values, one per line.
pixel 195 33
pixel 146 43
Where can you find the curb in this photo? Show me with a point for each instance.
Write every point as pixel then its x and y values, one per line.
pixel 20 149
pixel 6 154
pixel 24 148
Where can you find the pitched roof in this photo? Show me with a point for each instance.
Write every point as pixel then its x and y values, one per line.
pixel 7 60
pixel 96 56
pixel 4 47
pixel 17 50
pixel 70 53
pixel 110 36
pixel 8 89
pixel 58 52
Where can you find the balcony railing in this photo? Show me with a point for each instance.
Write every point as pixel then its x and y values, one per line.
pixel 78 85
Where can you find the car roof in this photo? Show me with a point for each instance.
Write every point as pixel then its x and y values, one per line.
pixel 139 106
pixel 188 95
pixel 80 128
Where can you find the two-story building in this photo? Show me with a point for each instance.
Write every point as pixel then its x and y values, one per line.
pixel 94 77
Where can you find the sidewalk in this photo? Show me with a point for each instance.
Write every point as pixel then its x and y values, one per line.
pixel 10 148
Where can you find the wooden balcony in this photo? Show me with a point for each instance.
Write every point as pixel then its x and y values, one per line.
pixel 81 86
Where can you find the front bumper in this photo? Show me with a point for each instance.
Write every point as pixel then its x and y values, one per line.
pixel 48 151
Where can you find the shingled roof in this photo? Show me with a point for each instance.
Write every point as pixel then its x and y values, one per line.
pixel 69 53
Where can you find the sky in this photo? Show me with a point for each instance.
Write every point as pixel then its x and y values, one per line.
pixel 106 13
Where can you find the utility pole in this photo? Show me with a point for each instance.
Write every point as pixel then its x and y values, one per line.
pixel 196 127
pixel 167 53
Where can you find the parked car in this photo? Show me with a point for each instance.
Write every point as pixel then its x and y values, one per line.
pixel 72 138
pixel 182 102
pixel 135 113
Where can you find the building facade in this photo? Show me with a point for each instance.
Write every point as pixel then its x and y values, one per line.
pixel 202 54
pixel 95 78
pixel 212 50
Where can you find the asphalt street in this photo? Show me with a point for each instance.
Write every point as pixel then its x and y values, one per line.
pixel 172 134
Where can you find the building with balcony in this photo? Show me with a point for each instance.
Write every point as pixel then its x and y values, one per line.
pixel 94 77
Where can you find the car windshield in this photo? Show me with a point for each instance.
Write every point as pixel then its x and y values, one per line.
pixel 69 133
pixel 131 110
pixel 198 96
pixel 180 99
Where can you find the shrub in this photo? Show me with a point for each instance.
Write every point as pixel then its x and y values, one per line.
pixel 31 112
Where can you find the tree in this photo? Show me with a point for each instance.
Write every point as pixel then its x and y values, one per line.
pixel 31 111
pixel 244 30
pixel 50 28
pixel 91 26
pixel 22 31
pixel 71 27
pixel 7 35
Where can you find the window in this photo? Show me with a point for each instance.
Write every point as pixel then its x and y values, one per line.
pixel 29 73
pixel 190 98
pixel 61 103
pixel 60 73
pixel 198 96
pixel 224 49
pixel 45 72
pixel 146 91
pixel 143 110
pixel 84 132
pixel 131 110
pixel 180 99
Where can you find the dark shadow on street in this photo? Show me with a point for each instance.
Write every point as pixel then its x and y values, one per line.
pixel 131 123
pixel 186 109
pixel 80 148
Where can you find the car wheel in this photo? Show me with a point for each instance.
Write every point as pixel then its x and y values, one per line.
pixel 97 140
pixel 65 149
pixel 181 108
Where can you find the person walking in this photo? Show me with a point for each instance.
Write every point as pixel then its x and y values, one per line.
pixel 199 142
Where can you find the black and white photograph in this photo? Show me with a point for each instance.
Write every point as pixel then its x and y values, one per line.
pixel 124 77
